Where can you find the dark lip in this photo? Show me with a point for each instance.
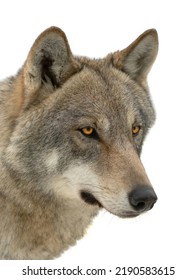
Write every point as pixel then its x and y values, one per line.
pixel 90 199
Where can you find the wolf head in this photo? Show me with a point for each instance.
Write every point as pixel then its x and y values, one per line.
pixel 79 123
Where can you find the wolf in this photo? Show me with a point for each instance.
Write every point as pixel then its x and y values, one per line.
pixel 71 134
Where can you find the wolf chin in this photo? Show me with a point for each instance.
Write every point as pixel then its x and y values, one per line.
pixel 71 133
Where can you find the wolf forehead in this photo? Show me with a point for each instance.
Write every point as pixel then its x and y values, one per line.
pixel 101 90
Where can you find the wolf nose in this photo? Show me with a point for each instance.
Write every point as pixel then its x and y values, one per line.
pixel 142 198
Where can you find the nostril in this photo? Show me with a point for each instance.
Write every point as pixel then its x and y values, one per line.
pixel 139 206
pixel 142 198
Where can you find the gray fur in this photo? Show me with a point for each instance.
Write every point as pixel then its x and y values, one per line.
pixel 46 163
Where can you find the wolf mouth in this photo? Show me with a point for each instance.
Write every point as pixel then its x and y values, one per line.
pixel 90 199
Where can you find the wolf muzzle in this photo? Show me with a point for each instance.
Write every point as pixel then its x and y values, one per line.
pixel 142 198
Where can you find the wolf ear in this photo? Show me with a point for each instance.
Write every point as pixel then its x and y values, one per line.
pixel 137 59
pixel 49 61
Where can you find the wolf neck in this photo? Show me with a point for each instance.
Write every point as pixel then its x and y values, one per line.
pixel 39 226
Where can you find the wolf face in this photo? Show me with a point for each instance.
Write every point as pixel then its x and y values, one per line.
pixel 75 126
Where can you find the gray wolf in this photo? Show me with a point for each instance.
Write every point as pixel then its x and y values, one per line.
pixel 72 130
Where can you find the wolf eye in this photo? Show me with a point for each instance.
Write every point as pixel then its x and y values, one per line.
pixel 87 131
pixel 135 130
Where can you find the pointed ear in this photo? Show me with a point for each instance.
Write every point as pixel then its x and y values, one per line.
pixel 49 61
pixel 137 59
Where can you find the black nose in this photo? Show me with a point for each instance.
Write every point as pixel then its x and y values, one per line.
pixel 142 198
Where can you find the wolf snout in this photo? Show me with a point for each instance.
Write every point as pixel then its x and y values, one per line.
pixel 142 198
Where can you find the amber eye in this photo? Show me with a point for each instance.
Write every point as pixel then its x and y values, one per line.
pixel 135 130
pixel 88 131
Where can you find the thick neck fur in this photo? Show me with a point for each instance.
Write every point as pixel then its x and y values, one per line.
pixel 39 224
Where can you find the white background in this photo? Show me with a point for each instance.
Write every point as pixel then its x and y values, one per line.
pixel 166 235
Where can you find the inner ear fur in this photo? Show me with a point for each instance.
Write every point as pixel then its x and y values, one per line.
pixel 49 61
pixel 137 59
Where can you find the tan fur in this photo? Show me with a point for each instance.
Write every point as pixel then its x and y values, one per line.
pixel 54 179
